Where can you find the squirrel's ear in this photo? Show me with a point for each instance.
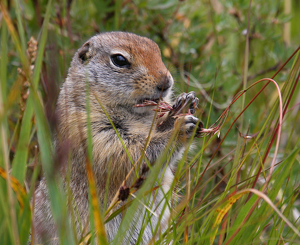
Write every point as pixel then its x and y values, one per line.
pixel 84 53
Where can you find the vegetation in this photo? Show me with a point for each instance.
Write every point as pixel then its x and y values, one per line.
pixel 238 186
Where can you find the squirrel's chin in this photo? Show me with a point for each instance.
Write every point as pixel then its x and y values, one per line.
pixel 144 110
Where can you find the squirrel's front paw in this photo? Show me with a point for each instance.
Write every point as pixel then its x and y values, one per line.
pixel 185 102
pixel 188 125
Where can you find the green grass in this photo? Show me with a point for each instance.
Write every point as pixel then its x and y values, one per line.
pixel 241 188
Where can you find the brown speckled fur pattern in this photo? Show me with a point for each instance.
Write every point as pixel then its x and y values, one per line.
pixel 118 89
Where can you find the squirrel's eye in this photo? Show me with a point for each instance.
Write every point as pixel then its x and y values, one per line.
pixel 120 61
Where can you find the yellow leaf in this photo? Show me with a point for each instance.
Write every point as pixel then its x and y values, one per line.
pixel 221 211
pixel 16 186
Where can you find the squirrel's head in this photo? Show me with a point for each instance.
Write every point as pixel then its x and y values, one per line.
pixel 126 67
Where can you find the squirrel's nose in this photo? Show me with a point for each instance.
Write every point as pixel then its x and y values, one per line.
pixel 164 85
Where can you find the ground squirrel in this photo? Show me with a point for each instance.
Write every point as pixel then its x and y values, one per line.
pixel 122 70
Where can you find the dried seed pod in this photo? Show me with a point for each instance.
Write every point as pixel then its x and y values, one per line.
pixel 138 183
pixel 123 193
pixel 31 50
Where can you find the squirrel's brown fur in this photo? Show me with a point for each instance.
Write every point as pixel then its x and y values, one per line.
pixel 118 85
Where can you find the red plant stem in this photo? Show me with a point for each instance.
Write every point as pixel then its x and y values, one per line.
pixel 283 65
pixel 274 134
pixel 182 213
pixel 294 106
pixel 222 233
pixel 259 92
pixel 218 147
pixel 290 97
pixel 269 147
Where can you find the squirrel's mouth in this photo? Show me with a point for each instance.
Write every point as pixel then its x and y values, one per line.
pixel 148 102
pixel 156 100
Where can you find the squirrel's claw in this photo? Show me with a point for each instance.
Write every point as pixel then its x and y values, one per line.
pixel 185 102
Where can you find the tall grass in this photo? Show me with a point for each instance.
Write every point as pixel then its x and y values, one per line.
pixel 241 188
